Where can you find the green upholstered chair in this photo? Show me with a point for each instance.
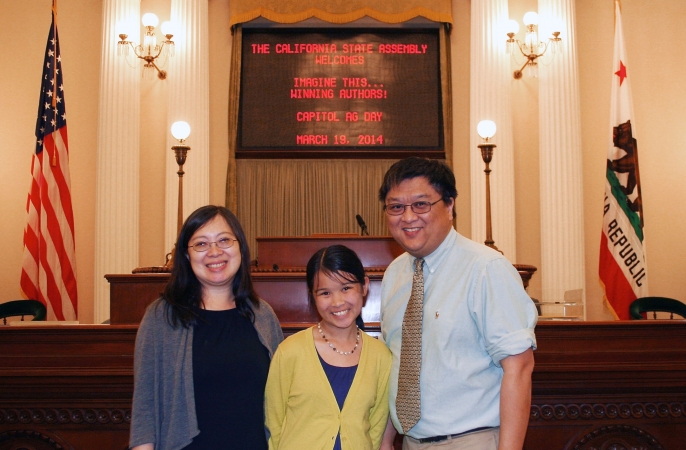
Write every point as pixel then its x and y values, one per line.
pixel 22 308
pixel 656 304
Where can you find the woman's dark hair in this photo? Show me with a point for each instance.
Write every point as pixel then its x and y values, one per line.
pixel 437 173
pixel 336 260
pixel 184 291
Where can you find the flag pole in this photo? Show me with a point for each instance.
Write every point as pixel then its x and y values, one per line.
pixel 54 73
pixel 54 63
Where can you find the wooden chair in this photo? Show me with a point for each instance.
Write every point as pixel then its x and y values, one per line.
pixel 22 308
pixel 642 305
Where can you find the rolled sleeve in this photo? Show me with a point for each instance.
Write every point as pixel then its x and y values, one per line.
pixel 513 344
pixel 506 315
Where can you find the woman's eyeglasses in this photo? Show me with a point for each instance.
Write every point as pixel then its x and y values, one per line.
pixel 202 247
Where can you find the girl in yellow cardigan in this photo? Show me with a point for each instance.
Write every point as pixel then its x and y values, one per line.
pixel 328 385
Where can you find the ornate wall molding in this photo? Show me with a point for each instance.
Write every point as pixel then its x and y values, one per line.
pixel 28 440
pixel 610 411
pixel 618 437
pixel 61 416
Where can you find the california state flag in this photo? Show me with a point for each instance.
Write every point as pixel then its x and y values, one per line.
pixel 623 271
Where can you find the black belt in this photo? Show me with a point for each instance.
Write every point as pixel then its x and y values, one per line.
pixel 449 436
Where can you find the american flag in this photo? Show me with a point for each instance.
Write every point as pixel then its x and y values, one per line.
pixel 49 271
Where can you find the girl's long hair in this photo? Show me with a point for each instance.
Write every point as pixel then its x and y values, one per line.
pixel 336 260
pixel 183 293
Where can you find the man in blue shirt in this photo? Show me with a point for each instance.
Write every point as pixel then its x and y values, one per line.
pixel 477 322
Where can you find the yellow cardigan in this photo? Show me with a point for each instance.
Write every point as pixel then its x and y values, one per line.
pixel 301 409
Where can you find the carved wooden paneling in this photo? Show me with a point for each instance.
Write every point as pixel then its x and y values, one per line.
pixel 618 437
pixel 28 440
pixel 66 387
pixel 609 385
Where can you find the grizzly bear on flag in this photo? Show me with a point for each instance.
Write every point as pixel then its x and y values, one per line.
pixel 628 164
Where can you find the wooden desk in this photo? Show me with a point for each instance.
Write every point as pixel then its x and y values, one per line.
pixel 286 291
pixel 595 385
pixel 283 252
pixel 279 277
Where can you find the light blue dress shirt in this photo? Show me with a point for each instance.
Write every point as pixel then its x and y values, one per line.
pixel 475 314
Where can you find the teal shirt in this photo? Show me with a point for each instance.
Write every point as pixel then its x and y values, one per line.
pixel 476 313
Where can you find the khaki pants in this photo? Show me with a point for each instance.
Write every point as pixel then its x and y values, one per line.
pixel 480 440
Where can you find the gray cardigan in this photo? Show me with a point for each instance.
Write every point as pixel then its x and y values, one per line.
pixel 163 409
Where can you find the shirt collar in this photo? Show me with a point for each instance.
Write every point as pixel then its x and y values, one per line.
pixel 433 260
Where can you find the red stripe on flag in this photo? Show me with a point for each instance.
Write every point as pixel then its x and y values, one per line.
pixel 51 223
pixel 31 242
pixel 618 291
pixel 49 292
pixel 27 287
pixel 55 218
pixel 61 181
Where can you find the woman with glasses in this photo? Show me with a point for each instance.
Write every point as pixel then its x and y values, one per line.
pixel 203 349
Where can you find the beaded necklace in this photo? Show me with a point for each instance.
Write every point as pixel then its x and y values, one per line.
pixel 357 341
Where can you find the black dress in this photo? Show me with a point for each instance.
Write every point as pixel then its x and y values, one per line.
pixel 230 367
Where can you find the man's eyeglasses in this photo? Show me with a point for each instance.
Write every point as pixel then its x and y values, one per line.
pixel 202 247
pixel 397 209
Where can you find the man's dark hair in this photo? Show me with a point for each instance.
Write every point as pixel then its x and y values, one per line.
pixel 437 173
pixel 184 292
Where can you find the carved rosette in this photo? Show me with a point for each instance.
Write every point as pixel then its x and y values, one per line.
pixel 64 416
pixel 596 411
pixel 28 440
pixel 617 437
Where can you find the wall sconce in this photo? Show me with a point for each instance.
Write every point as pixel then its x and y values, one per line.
pixel 486 129
pixel 149 51
pixel 531 48
pixel 180 131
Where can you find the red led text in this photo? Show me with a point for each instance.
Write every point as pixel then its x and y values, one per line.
pixel 403 48
pixel 312 139
pixel 316 116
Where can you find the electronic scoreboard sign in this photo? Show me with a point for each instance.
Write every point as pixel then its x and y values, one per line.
pixel 324 92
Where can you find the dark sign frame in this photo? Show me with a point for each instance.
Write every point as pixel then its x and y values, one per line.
pixel 340 93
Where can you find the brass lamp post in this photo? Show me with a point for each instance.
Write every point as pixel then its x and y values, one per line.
pixel 180 131
pixel 486 129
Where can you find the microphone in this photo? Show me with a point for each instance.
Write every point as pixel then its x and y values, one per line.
pixel 363 226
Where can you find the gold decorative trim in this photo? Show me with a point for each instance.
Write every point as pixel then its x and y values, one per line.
pixel 341 18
